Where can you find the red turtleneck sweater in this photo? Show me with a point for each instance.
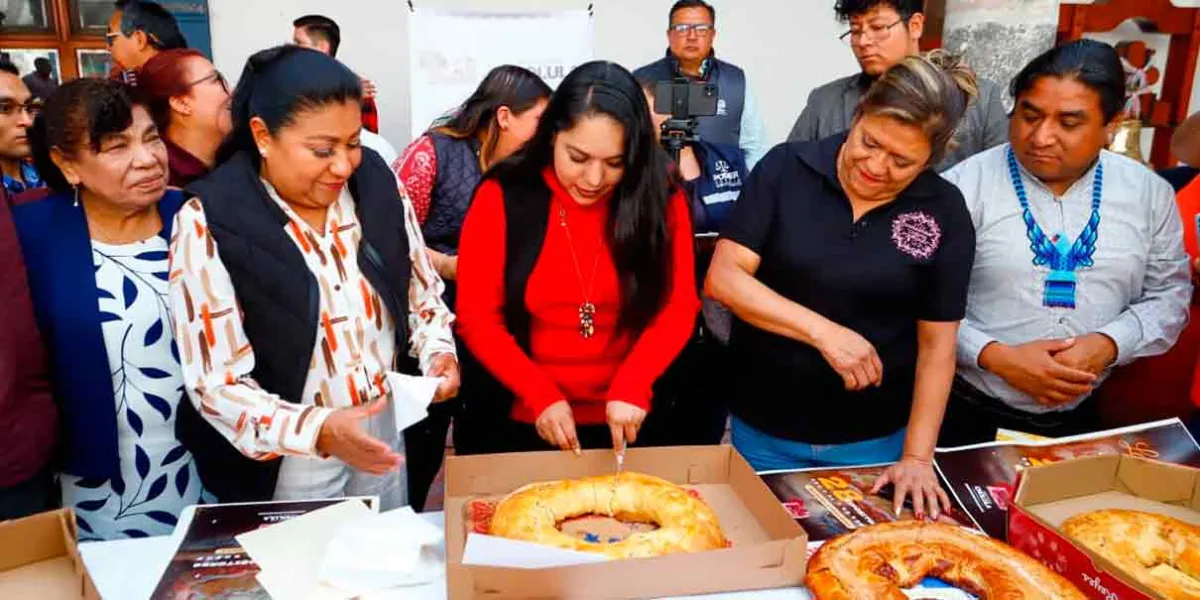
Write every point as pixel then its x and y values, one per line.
pixel 562 364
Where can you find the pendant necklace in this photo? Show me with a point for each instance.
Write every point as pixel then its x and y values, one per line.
pixel 587 310
pixel 1059 290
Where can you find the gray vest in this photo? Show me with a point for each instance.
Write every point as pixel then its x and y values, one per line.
pixel 726 127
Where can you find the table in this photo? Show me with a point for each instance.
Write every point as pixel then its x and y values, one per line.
pixel 129 569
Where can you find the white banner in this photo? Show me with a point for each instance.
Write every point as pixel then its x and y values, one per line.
pixel 452 51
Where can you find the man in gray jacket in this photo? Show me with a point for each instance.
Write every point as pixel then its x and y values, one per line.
pixel 881 34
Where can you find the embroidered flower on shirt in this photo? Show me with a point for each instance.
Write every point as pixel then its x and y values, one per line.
pixel 916 234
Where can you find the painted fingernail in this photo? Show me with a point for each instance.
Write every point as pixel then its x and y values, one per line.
pixel 920 516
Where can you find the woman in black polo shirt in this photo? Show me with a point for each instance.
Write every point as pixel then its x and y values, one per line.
pixel 846 262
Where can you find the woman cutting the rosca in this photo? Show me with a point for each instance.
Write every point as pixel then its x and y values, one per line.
pixel 576 284
pixel 846 262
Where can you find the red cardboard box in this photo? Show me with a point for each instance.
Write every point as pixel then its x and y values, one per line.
pixel 1049 495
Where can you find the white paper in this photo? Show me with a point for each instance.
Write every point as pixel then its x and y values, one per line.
pixel 411 397
pixel 379 552
pixel 491 551
pixel 289 553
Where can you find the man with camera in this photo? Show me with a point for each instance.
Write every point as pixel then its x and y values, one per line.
pixel 737 121
pixel 882 33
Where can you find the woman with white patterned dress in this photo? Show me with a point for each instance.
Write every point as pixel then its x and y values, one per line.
pixel 97 262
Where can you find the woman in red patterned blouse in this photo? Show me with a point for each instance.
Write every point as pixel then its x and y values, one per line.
pixel 441 168
pixel 577 288
pixel 439 171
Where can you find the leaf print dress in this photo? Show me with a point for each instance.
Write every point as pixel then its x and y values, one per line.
pixel 158 478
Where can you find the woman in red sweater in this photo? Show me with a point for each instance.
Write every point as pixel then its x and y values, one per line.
pixel 576 281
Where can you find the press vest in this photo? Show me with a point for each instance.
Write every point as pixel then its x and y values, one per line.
pixel 726 127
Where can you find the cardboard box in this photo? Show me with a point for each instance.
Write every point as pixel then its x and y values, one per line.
pixel 768 548
pixel 1049 495
pixel 39 559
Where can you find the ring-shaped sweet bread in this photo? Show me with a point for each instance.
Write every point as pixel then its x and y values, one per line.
pixel 877 561
pixel 685 524
pixel 1159 552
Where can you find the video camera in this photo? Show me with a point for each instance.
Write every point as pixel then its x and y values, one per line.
pixel 684 100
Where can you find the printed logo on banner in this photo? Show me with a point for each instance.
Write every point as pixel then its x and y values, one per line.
pixel 550 43
pixel 550 72
pixel 443 70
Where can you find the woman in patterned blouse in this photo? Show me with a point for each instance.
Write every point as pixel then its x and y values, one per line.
pixel 96 252
pixel 299 286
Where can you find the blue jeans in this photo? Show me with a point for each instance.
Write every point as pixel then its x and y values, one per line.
pixel 769 453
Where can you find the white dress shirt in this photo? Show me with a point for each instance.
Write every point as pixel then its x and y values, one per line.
pixel 1136 293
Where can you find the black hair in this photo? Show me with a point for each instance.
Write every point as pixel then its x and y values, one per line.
pixel 79 115
pixel 10 68
pixel 684 4
pixel 517 88
pixel 159 25
pixel 1094 64
pixel 322 27
pixel 41 61
pixel 277 84
pixel 853 8
pixel 637 216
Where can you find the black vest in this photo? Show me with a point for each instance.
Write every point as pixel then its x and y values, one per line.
pixel 725 128
pixel 457 176
pixel 485 399
pixel 280 299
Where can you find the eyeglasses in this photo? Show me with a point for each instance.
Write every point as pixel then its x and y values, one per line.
pixel 686 28
pixel 874 33
pixel 214 76
pixel 109 38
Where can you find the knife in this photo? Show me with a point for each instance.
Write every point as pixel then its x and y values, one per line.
pixel 620 467
pixel 620 459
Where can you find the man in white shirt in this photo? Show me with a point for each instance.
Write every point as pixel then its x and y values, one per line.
pixel 1079 261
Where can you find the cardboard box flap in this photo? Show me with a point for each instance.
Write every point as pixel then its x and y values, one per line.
pixel 478 475
pixel 42 536
pixel 1195 503
pixel 39 559
pixel 764 566
pixel 1078 477
pixel 777 523
pixel 1161 482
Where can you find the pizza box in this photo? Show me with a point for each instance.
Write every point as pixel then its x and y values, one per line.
pixel 39 559
pixel 1049 495
pixel 767 551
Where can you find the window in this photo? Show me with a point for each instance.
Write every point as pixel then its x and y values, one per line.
pixel 25 16
pixel 90 16
pixel 68 32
